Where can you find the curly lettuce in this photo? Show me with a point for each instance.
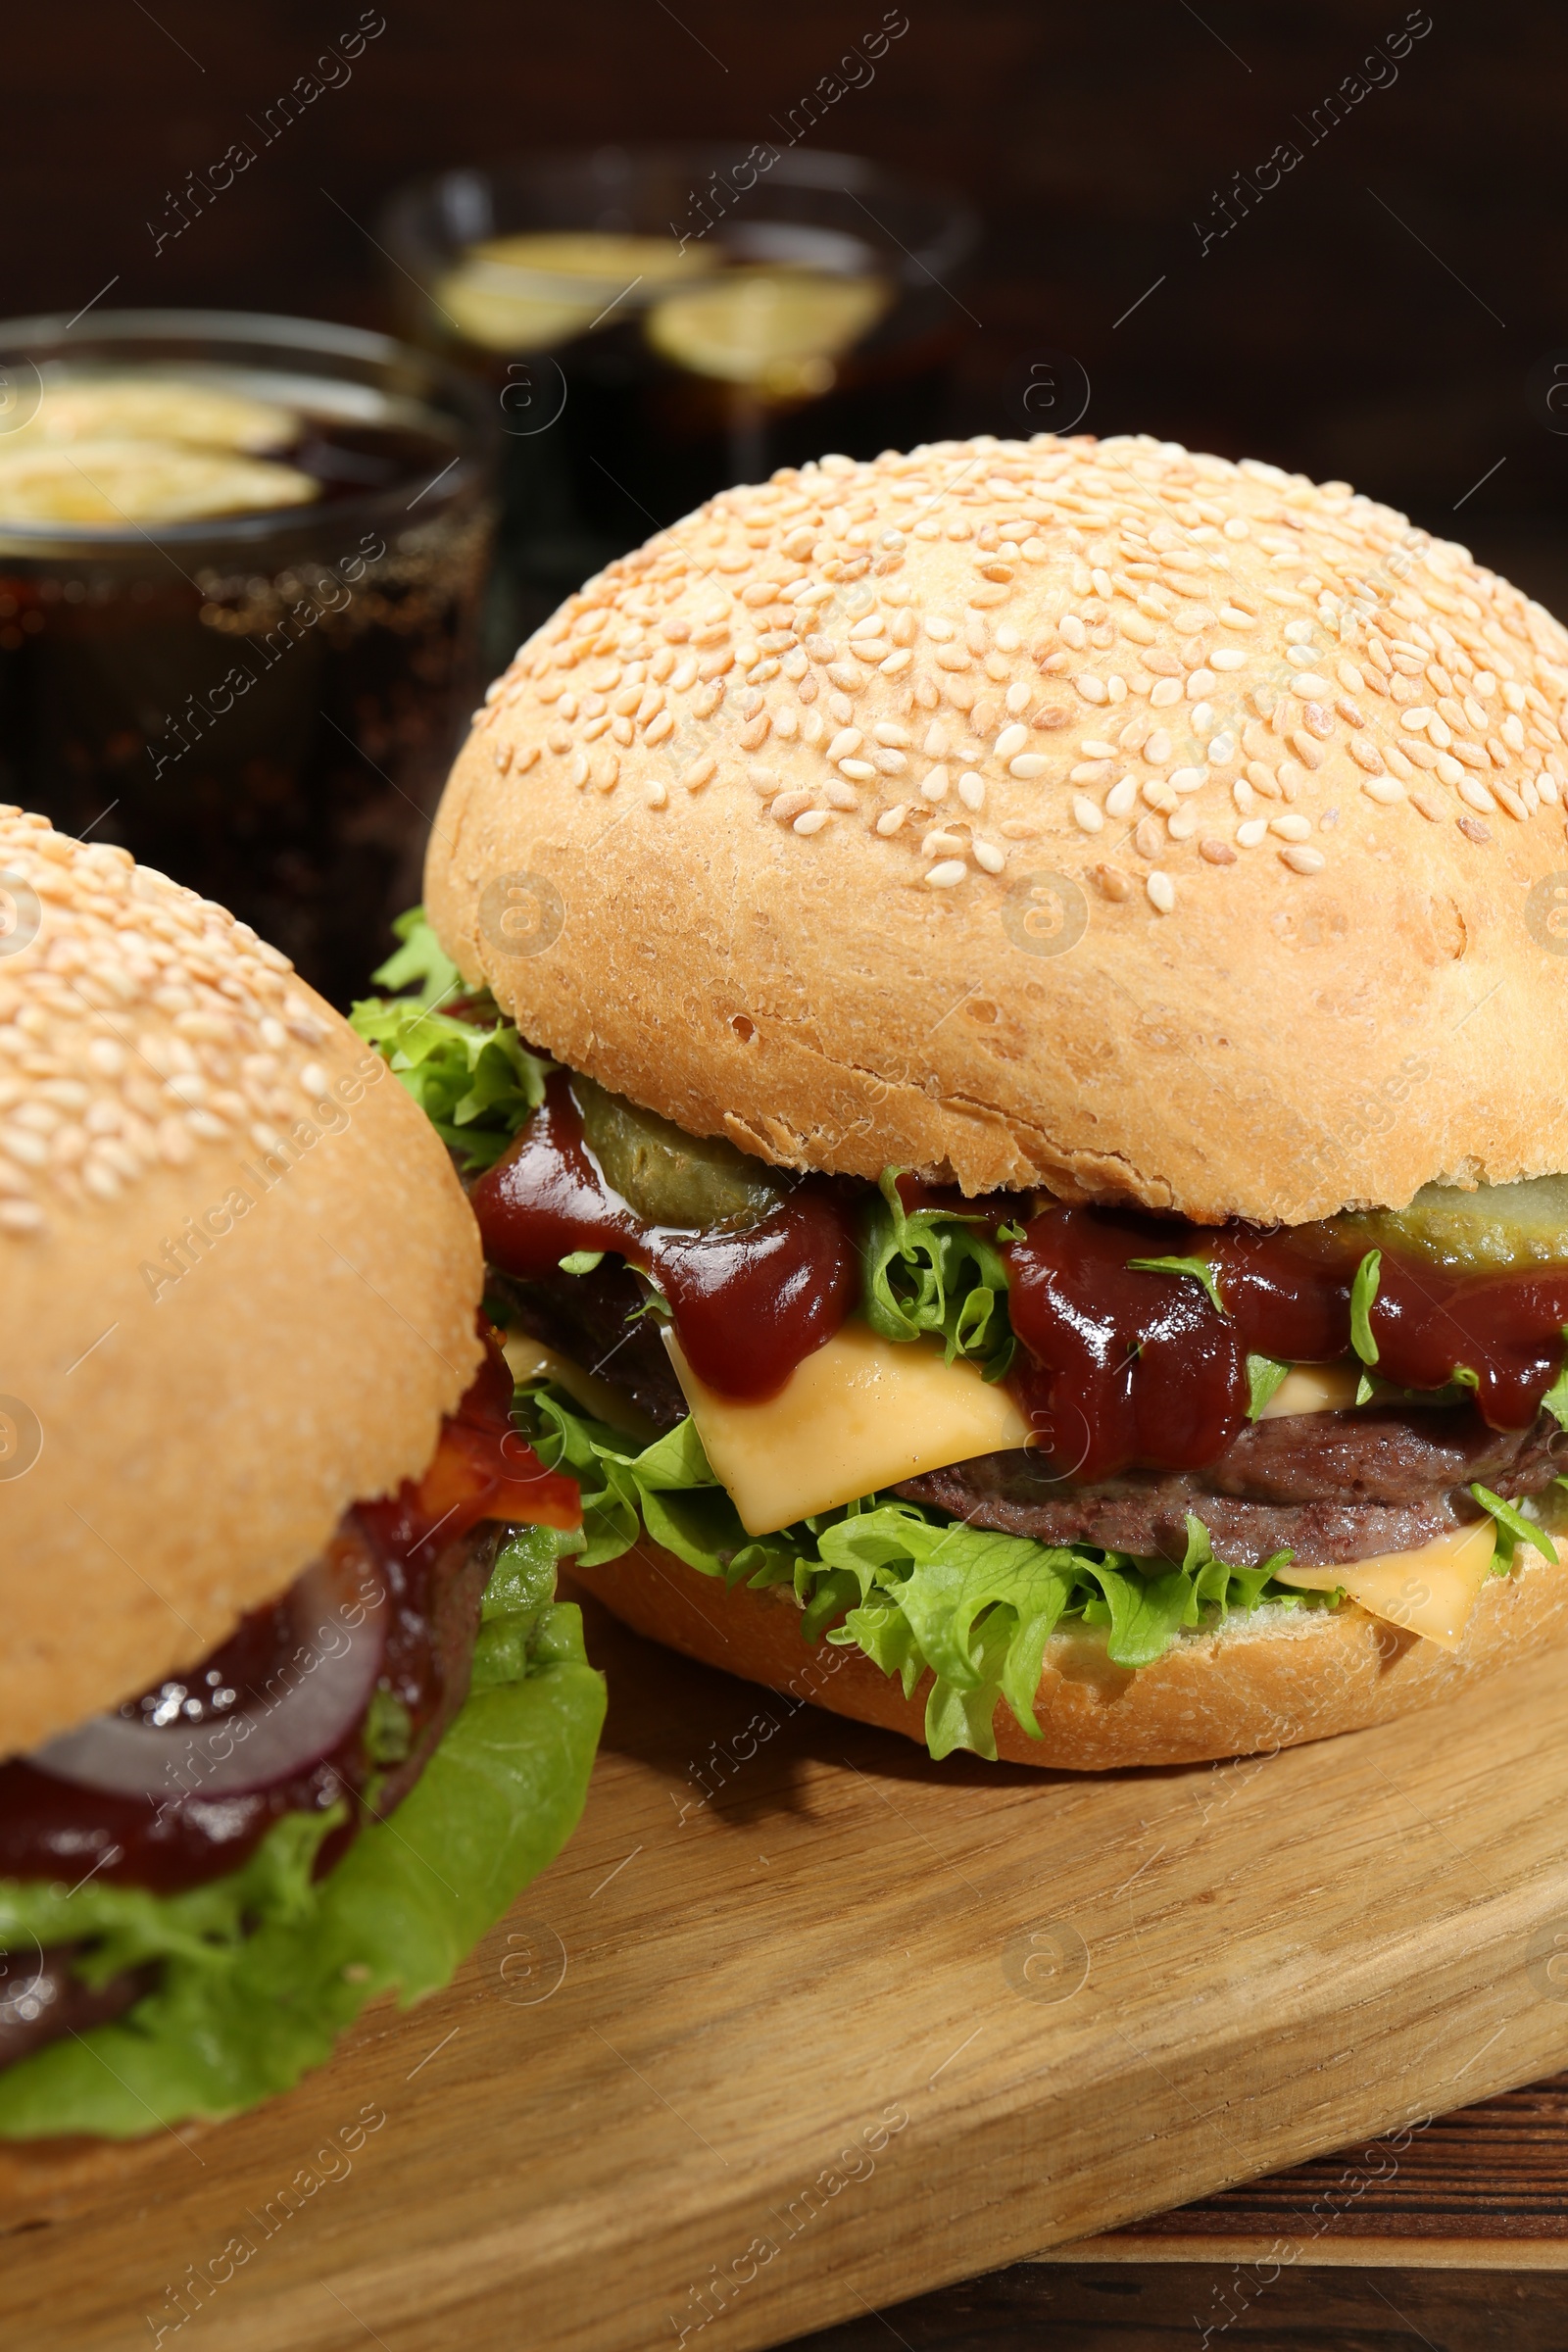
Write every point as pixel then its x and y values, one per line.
pixel 473 1078
pixel 932 1273
pixel 261 1971
pixel 915 1592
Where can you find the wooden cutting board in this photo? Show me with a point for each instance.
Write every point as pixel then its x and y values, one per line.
pixel 802 2024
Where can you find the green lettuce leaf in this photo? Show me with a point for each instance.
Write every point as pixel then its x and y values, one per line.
pixel 262 1970
pixel 1197 1269
pixel 1556 1399
pixel 1512 1526
pixel 1264 1374
pixel 914 1590
pixel 928 1272
pixel 477 1084
pixel 1363 1291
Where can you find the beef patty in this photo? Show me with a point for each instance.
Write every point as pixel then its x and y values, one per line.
pixel 1327 1486
pixel 597 1320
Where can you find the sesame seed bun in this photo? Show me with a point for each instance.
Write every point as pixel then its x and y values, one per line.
pixel 1276 1679
pixel 237 1277
pixel 1085 814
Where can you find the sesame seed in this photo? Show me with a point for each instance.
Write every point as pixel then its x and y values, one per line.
pixel 935 785
pixel 1086 815
pixel 1027 765
pixel 1252 832
pixel 1217 852
pixel 813 821
pixel 1186 779
pixel 891 818
pixel 947 874
pixel 1095 524
pixel 1304 860
pixel 1161 892
pixel 1121 797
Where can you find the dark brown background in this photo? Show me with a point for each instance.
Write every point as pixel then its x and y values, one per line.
pixel 1321 332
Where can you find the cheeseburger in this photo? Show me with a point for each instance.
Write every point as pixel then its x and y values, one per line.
pixel 288 1710
pixel 997 1006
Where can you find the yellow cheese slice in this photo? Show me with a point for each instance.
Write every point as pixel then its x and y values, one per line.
pixel 1430 1591
pixel 1313 1388
pixel 861 1413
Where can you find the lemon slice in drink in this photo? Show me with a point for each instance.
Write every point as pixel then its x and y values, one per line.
pixel 122 482
pixel 155 408
pixel 779 331
pixel 544 286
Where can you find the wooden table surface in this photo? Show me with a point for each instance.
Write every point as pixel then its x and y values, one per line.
pixel 801 2026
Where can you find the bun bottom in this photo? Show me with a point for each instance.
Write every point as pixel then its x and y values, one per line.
pixel 1276 1679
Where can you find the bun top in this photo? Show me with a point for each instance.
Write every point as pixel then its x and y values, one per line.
pixel 237 1277
pixel 1089 814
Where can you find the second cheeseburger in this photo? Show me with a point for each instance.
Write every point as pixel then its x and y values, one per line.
pixel 288 1711
pixel 1018 985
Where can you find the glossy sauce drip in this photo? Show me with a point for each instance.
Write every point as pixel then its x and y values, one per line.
pixel 1122 1368
pixel 747 1306
pixel 413 1553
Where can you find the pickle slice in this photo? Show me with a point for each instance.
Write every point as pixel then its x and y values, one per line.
pixel 1491 1230
pixel 529 291
pixel 779 331
pixel 123 482
pixel 668 1177
pixel 159 408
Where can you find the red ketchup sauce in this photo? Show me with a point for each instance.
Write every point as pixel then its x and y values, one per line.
pixel 55 1830
pixel 1121 1368
pixel 747 1307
